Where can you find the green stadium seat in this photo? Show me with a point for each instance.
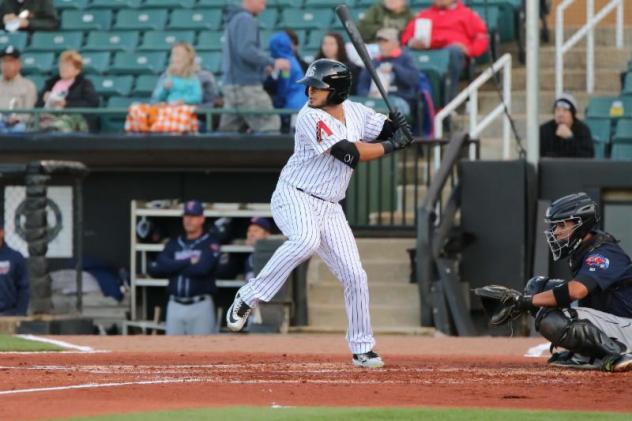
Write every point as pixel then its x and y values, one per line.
pixel 267 34
pixel 38 81
pixel 599 107
pixel 163 40
pixel 141 19
pixel 435 64
pixel 115 4
pixel 356 14
pixel 211 61
pixel 169 4
pixel 627 85
pixel 491 16
pixel 17 39
pixel 369 3
pixel 622 141
pixel 210 41
pixel 315 38
pixel 82 20
pixel 96 62
pixel 55 41
pixel 508 11
pixel 139 63
pixel 600 130
pixel 40 63
pixel 330 3
pixel 70 4
pixel 196 19
pixel 309 54
pixel 296 4
pixel 215 3
pixel 122 101
pixel 108 86
pixel 306 18
pixel 112 41
pixel 377 104
pixel 268 19
pixel 145 85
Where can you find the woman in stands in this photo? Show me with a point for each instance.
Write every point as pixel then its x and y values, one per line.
pixel 332 46
pixel 180 84
pixel 68 89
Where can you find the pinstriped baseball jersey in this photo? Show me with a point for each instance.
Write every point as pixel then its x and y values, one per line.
pixel 311 167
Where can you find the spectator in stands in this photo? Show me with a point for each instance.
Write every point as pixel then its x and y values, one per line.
pixel 295 44
pixel 69 89
pixel 244 67
pixel 332 46
pixel 189 262
pixel 15 92
pixel 14 281
pixel 180 83
pixel 565 136
pixel 384 14
pixel 29 15
pixel 450 25
pixel 396 70
pixel 286 93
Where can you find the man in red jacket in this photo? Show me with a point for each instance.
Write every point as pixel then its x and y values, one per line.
pixel 448 24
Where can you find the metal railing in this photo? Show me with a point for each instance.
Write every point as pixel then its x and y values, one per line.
pixel 470 93
pixel 592 19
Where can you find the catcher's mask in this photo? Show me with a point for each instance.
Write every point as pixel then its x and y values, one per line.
pixel 578 209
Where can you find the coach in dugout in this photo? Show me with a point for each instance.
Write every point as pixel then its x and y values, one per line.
pixel 14 281
pixel 189 262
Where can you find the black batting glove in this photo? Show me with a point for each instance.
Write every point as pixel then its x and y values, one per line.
pixel 397 142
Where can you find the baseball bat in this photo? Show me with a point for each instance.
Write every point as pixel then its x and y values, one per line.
pixel 356 39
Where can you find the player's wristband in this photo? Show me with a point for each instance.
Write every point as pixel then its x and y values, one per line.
pixel 525 302
pixel 562 295
pixel 388 147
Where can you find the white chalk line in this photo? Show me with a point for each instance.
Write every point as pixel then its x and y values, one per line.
pixel 538 350
pixel 61 344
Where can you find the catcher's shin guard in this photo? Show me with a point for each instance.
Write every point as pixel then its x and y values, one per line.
pixel 578 336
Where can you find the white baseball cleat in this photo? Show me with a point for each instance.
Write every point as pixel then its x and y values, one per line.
pixel 237 314
pixel 368 360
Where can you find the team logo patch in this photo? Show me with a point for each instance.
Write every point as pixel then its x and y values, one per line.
pixel 597 261
pixel 320 128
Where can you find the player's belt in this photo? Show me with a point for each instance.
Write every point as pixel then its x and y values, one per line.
pixel 189 300
pixel 313 195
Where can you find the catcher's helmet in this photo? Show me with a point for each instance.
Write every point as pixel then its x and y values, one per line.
pixel 331 75
pixel 578 208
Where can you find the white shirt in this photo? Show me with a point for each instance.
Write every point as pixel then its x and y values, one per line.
pixel 312 168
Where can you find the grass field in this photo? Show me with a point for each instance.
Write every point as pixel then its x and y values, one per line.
pixel 334 414
pixel 9 343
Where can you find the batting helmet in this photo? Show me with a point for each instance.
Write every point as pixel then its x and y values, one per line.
pixel 578 208
pixel 331 75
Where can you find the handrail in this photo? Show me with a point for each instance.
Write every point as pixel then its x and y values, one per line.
pixel 562 47
pixel 471 92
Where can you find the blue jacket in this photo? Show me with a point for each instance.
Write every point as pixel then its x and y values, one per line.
pixel 14 283
pixel 185 278
pixel 243 60
pixel 287 93
pixel 406 76
pixel 186 89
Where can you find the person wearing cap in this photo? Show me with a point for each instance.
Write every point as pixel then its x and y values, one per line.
pixel 189 262
pixel 16 92
pixel 384 14
pixel 565 136
pixel 14 281
pixel 29 15
pixel 396 69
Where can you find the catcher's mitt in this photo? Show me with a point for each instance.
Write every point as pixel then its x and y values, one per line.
pixel 501 303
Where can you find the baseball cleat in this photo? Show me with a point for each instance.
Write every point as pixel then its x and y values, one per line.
pixel 368 360
pixel 237 314
pixel 568 359
pixel 618 364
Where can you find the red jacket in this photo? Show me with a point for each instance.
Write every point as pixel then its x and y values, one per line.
pixel 456 25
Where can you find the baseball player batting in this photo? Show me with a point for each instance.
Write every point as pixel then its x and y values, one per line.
pixel 332 136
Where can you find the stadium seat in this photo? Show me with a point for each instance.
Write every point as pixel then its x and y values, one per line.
pixel 145 85
pixel 369 3
pixel 627 85
pixel 377 104
pixel 122 101
pixel 96 62
pixel 600 130
pixel 38 81
pixel 82 20
pixel 491 16
pixel 214 3
pixel 210 41
pixel 115 4
pixel 296 4
pixel 40 63
pixel 155 19
pixel 196 19
pixel 599 107
pixel 163 40
pixel 169 4
pixel 139 63
pixel 268 19
pixel 357 14
pixel 434 63
pixel 622 141
pixel 112 41
pixel 267 34
pixel 309 54
pixel 55 41
pixel 17 39
pixel 107 86
pixel 330 3
pixel 70 4
pixel 306 19
pixel 315 38
pixel 211 61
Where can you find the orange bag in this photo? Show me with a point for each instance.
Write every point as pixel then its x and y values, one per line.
pixel 161 118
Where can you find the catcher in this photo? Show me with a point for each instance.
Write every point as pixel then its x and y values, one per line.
pixel 591 315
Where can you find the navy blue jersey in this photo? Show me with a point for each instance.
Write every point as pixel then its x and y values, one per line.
pixel 189 265
pixel 14 283
pixel 607 273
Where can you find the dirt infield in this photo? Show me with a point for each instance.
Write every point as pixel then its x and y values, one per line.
pixel 153 373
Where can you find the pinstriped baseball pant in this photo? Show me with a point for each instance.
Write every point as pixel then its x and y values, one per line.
pixel 316 226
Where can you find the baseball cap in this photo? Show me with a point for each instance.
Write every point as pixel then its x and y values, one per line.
pixel 262 222
pixel 11 51
pixel 193 208
pixel 566 101
pixel 387 34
